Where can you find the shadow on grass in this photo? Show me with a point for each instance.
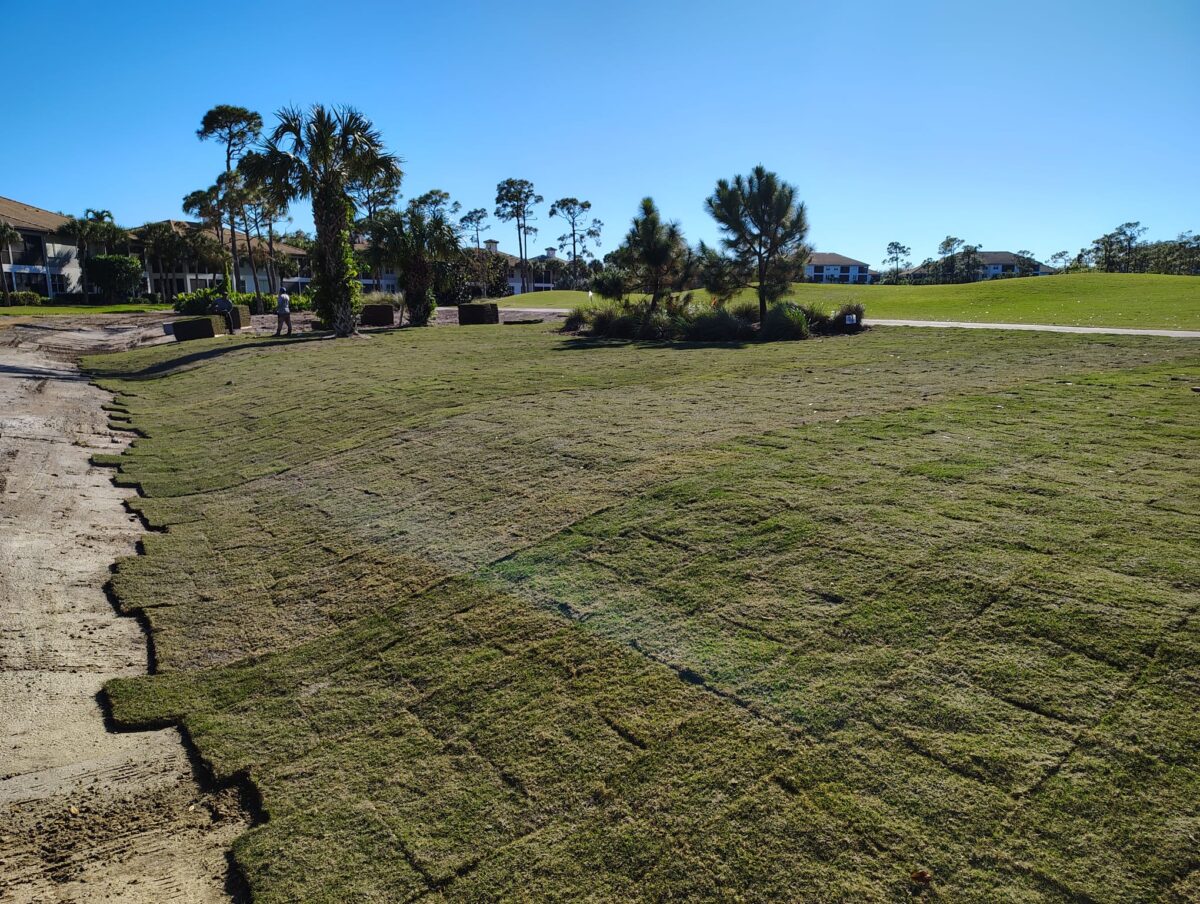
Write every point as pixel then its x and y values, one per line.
pixel 39 373
pixel 586 343
pixel 171 365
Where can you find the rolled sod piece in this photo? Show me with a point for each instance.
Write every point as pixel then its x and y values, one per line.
pixel 470 314
pixel 378 315
pixel 199 327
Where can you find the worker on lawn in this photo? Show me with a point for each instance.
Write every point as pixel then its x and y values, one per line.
pixel 283 312
pixel 223 306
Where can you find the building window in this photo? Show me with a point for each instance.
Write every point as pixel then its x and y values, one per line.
pixel 28 251
pixel 58 284
pixel 30 282
pixel 818 269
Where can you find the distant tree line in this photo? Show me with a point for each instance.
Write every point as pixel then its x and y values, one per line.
pixel 1123 251
pixel 1119 251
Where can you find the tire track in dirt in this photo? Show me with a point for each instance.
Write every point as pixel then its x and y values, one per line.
pixel 85 814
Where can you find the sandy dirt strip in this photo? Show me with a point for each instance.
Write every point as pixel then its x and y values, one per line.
pixel 86 814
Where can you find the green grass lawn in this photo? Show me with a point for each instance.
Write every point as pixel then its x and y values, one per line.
pixel 52 310
pixel 1092 299
pixel 497 614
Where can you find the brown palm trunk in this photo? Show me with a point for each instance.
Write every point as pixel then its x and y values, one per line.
pixel 330 216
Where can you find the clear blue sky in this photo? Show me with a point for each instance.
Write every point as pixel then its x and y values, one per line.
pixel 1014 125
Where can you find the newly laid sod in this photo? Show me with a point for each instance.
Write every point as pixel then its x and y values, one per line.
pixel 1145 301
pixel 52 310
pixel 495 614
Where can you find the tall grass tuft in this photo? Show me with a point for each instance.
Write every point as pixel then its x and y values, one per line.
pixel 785 321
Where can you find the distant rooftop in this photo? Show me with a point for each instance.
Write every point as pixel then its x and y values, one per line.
pixel 26 216
pixel 827 258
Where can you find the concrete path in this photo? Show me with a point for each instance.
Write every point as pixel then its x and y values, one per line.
pixel 1038 328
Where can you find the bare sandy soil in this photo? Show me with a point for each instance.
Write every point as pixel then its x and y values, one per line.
pixel 85 814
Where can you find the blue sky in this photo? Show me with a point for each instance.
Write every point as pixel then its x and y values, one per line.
pixel 1014 125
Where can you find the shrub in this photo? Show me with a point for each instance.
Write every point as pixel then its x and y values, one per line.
pixel 421 309
pixel 24 297
pixel 119 276
pixel 716 325
pixel 611 282
pixel 395 299
pixel 200 301
pixel 746 309
pixel 576 320
pixel 818 320
pixel 785 321
pixel 71 298
pixel 839 324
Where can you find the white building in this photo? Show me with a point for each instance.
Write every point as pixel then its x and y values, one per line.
pixel 1005 263
pixel 823 267
pixel 540 275
pixel 42 262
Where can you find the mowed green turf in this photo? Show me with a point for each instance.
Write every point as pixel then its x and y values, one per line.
pixel 52 310
pixel 1147 301
pixel 490 613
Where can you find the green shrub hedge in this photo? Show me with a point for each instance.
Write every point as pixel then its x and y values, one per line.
pixel 785 321
pixel 22 298
pixel 682 319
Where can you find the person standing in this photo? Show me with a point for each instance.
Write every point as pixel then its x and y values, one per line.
pixel 283 312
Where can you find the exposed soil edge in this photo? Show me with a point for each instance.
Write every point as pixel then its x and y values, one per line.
pixel 237 885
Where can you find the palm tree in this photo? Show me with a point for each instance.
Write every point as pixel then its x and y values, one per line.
pixel 320 153
pixel 416 242
pixel 8 237
pixel 78 231
pixel 167 249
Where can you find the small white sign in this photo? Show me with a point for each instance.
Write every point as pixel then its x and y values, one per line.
pixel 851 319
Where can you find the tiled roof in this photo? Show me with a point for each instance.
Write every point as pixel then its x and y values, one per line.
pixel 825 258
pixel 26 216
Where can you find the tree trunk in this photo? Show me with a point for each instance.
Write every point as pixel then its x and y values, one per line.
pixel 272 269
pixel 331 219
pixel 250 253
pixel 4 279
pixel 258 233
pixel 232 222
pixel 521 253
pixel 762 293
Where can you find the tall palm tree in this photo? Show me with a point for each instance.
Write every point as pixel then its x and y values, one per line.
pixel 319 154
pixel 8 237
pixel 78 231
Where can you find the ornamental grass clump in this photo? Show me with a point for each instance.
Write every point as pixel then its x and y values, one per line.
pixel 716 325
pixel 848 319
pixel 785 321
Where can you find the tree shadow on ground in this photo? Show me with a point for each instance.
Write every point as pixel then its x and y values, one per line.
pixel 172 365
pixel 588 343
pixel 40 373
